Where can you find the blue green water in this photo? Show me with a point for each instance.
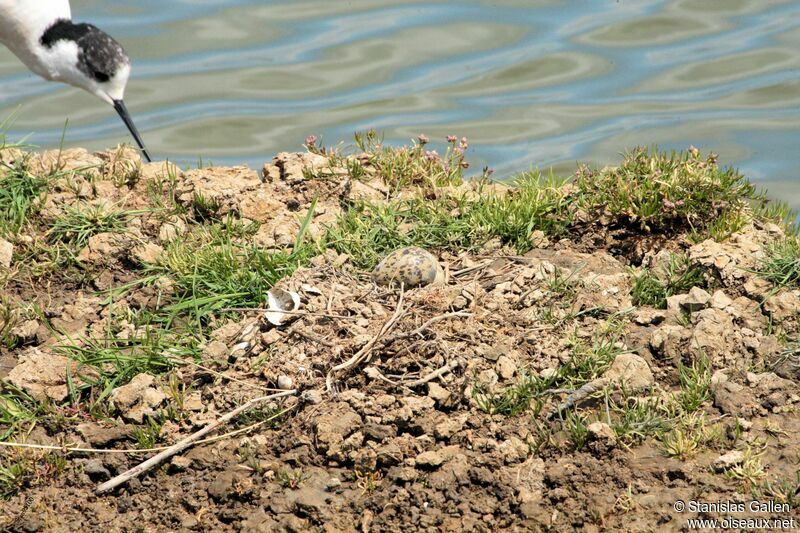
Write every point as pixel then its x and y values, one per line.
pixel 530 83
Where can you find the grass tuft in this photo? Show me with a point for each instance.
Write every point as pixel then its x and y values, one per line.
pixel 695 383
pixel 653 287
pixel 21 197
pixel 462 219
pixel 78 224
pixel 661 192
pixel 781 265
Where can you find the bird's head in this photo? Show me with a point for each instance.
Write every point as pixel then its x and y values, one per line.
pixel 87 57
pixel 105 68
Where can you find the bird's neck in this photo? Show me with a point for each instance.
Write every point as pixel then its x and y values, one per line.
pixel 22 28
pixel 27 21
pixel 22 23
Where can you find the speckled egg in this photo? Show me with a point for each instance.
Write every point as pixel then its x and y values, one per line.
pixel 411 266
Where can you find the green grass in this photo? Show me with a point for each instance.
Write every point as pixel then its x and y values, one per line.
pixel 453 220
pixel 163 196
pixel 8 318
pixel 633 418
pixel 213 266
pixel 78 224
pixel 675 420
pixel 660 192
pixel 587 361
pixel 780 490
pixel 22 196
pixel 650 190
pixel 368 231
pixel 148 435
pixel 291 479
pixel 217 265
pixel 16 409
pixel 781 266
pixel 108 363
pixel 577 426
pixel 513 400
pixel 653 287
pixel 695 383
pixel 21 468
pixel 415 165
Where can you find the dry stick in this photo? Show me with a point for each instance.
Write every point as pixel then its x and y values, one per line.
pixel 217 373
pixel 313 337
pixel 376 374
pixel 68 449
pixel 425 326
pixel 465 271
pixel 186 442
pixel 452 365
pixel 373 373
pixel 73 449
pixel 578 396
pixel 363 353
pixel 284 311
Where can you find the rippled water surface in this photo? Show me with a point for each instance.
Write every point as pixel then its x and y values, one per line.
pixel 531 83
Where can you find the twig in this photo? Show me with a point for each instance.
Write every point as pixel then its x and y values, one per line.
pixel 373 373
pixel 313 337
pixel 26 506
pixel 376 374
pixel 577 396
pixel 72 449
pixel 452 365
pixel 216 373
pixel 186 442
pixel 364 352
pixel 284 311
pixel 467 270
pixel 425 326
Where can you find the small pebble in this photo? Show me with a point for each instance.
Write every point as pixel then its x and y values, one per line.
pixel 285 382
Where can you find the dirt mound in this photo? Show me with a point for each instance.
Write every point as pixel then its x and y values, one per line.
pixel 568 384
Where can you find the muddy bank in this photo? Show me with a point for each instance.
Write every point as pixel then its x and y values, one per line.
pixel 131 296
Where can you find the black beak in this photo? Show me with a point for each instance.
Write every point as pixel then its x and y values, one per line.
pixel 119 105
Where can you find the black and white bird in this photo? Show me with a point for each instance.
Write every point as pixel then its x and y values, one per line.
pixel 42 35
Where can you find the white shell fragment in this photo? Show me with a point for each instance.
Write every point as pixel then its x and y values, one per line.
pixel 278 301
pixel 411 267
pixel 285 382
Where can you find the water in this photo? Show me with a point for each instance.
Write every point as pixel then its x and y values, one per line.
pixel 531 83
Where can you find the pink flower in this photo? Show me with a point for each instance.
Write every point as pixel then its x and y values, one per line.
pixel 311 141
pixel 432 155
pixel 452 138
pixel 423 139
